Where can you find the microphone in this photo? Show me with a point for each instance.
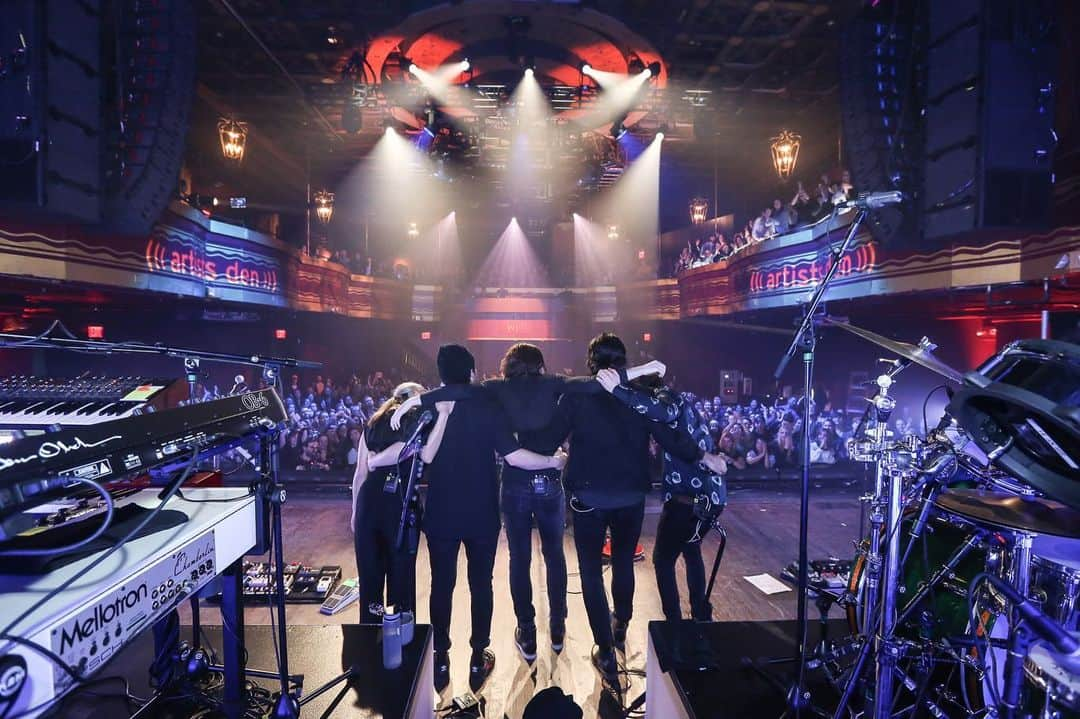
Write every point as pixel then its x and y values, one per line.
pixel 1043 625
pixel 874 200
pixel 413 442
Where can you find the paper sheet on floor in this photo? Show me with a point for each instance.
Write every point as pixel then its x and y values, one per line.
pixel 768 584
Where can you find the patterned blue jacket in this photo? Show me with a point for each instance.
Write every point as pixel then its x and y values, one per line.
pixel 671 408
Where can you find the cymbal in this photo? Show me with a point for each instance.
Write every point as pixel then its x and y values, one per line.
pixel 921 354
pixel 1037 515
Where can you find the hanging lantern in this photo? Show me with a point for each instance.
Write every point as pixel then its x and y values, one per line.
pixel 613 232
pixel 233 136
pixel 699 210
pixel 413 231
pixel 785 153
pixel 324 206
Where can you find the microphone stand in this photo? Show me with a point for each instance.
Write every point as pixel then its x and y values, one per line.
pixel 798 697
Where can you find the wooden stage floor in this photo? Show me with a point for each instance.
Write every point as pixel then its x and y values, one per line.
pixel 762 531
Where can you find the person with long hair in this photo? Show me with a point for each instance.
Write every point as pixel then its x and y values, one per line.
pixel 529 397
pixel 463 508
pixel 387 571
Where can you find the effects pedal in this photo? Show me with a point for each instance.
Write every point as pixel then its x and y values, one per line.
pixel 347 592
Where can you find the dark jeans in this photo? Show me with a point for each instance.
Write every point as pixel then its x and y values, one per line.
pixel 677 524
pixel 549 512
pixel 480 553
pixel 387 574
pixel 590 531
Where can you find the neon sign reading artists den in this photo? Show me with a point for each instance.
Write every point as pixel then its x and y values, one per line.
pixel 805 273
pixel 181 254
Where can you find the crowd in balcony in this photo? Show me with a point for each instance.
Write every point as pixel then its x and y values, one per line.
pixel 775 219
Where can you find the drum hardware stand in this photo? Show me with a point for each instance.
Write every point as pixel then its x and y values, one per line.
pixel 716 565
pixel 1020 638
pixel 805 341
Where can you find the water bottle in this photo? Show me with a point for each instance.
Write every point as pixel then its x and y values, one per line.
pixel 408 624
pixel 391 637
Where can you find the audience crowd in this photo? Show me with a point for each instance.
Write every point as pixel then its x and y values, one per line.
pixel 756 436
pixel 327 419
pixel 776 219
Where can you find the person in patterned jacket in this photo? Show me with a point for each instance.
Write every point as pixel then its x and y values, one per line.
pixel 693 496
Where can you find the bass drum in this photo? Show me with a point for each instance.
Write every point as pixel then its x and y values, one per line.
pixel 943 612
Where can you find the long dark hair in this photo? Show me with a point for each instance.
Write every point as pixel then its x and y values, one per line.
pixel 402 392
pixel 522 360
pixel 606 351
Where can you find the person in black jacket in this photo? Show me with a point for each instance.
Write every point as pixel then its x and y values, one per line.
pixel 387 572
pixel 607 477
pixel 529 397
pixel 463 508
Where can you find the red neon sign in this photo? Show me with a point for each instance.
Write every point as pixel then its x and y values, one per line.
pixel 809 272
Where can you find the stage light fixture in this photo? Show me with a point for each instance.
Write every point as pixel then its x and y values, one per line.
pixel 586 68
pixel 332 36
pixel 529 72
pixel 654 68
pixel 465 65
pixel 660 136
pixel 233 137
pixel 618 128
pixel 324 206
pixel 412 68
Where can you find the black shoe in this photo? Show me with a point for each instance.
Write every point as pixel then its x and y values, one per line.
pixel 605 663
pixel 525 638
pixel 480 667
pixel 558 636
pixel 442 671
pixel 618 632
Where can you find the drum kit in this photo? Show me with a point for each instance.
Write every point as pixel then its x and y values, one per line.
pixel 963 598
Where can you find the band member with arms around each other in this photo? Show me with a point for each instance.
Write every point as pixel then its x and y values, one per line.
pixel 529 397
pixel 694 495
pixel 463 508
pixel 608 478
pixel 387 572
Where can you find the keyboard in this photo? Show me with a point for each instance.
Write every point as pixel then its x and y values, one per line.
pixel 41 403
pixel 39 467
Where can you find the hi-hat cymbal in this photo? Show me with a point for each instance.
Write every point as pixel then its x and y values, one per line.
pixel 1037 515
pixel 921 354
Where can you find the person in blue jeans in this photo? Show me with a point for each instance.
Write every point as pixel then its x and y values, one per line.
pixel 529 397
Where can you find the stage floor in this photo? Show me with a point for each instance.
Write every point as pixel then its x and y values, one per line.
pixel 762 531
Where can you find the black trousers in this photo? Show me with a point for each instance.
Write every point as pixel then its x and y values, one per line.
pixel 480 556
pixel 549 512
pixel 387 574
pixel 590 531
pixel 677 526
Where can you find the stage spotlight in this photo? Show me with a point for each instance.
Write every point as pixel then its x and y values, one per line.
pixel 528 72
pixel 660 136
pixel 586 68
pixel 654 68
pixel 412 68
pixel 465 65
pixel 389 130
pixel 618 127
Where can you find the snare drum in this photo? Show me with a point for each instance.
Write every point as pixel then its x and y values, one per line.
pixel 1055 578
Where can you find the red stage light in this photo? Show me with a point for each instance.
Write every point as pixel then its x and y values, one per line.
pixel 987 333
pixel 95 332
pixel 280 334
pixel 647 337
pixel 425 335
